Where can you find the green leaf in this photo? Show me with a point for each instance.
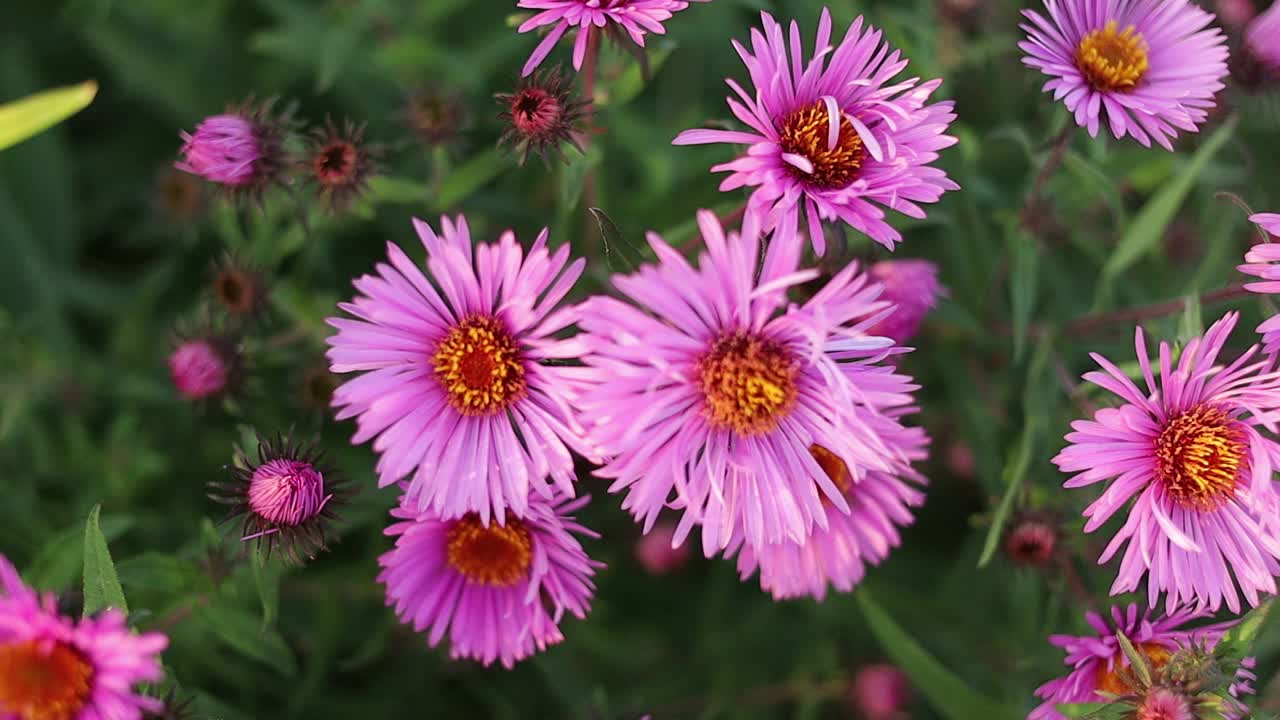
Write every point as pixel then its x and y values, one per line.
pixel 948 694
pixel 1149 225
pixel 1080 710
pixel 266 575
pixel 244 633
pixel 1023 279
pixel 101 585
pixel 468 178
pixel 1239 639
pixel 1137 661
pixel 632 80
pixel 36 113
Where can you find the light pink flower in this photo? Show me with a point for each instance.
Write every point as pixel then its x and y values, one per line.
pixel 634 17
pixel 1188 449
pixel 464 390
pixel 1260 261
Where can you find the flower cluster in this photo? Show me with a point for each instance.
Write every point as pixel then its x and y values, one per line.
pixel 246 151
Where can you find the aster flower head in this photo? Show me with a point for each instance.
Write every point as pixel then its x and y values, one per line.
pixel 1187 450
pixel 242 150
pixel 832 139
pixel 1262 37
pixel 1261 262
pixel 542 115
pixel 286 499
pixel 53 666
pixel 913 287
pixel 880 692
pixel 708 392
pixel 1100 668
pixel 837 555
pixel 435 115
pixel 206 364
pixel 635 18
pixel 656 553
pixel 463 385
pixel 240 288
pixel 339 162
pixel 498 591
pixel 1032 541
pixel 1151 66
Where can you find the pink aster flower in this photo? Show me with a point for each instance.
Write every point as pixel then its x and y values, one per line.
pixel 1096 661
pixel 1164 704
pixel 464 390
pixel 242 149
pixel 499 591
pixel 1260 261
pixel 913 288
pixel 634 17
pixel 53 666
pixel 203 367
pixel 878 504
pixel 1263 37
pixel 1153 66
pixel 713 387
pixel 831 138
pixel 880 692
pixel 286 499
pixel 1188 447
pixel 656 554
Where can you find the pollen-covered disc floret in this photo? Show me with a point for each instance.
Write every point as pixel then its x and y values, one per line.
pixel 708 388
pixel 286 498
pixel 466 377
pixel 1201 455
pixel 479 365
pixel 1263 261
pixel 1192 451
pixel 1099 665
pixel 498 591
pixel 636 18
pixel 833 137
pixel 54 667
pixel 1150 67
pixel 1113 60
pixel 748 382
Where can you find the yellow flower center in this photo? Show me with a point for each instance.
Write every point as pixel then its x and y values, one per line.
pixel 1199 457
pixel 749 383
pixel 1113 60
pixel 834 467
pixel 1111 681
pixel 479 365
pixel 805 132
pixel 43 683
pixel 497 555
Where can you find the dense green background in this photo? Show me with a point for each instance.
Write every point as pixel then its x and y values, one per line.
pixel 95 273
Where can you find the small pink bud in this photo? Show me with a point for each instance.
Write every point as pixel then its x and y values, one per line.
pixel 960 461
pixel 912 286
pixel 881 692
pixel 655 554
pixel 1164 704
pixel 199 370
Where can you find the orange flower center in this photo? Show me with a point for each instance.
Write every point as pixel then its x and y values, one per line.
pixel 805 132
pixel 1111 681
pixel 479 365
pixel 43 683
pixel 1199 457
pixel 1112 60
pixel 834 467
pixel 749 383
pixel 497 555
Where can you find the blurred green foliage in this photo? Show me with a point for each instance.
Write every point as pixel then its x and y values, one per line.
pixel 105 253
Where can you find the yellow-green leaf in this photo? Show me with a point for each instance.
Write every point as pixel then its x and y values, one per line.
pixel 36 113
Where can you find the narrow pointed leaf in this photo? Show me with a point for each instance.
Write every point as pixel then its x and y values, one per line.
pixel 36 113
pixel 101 584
